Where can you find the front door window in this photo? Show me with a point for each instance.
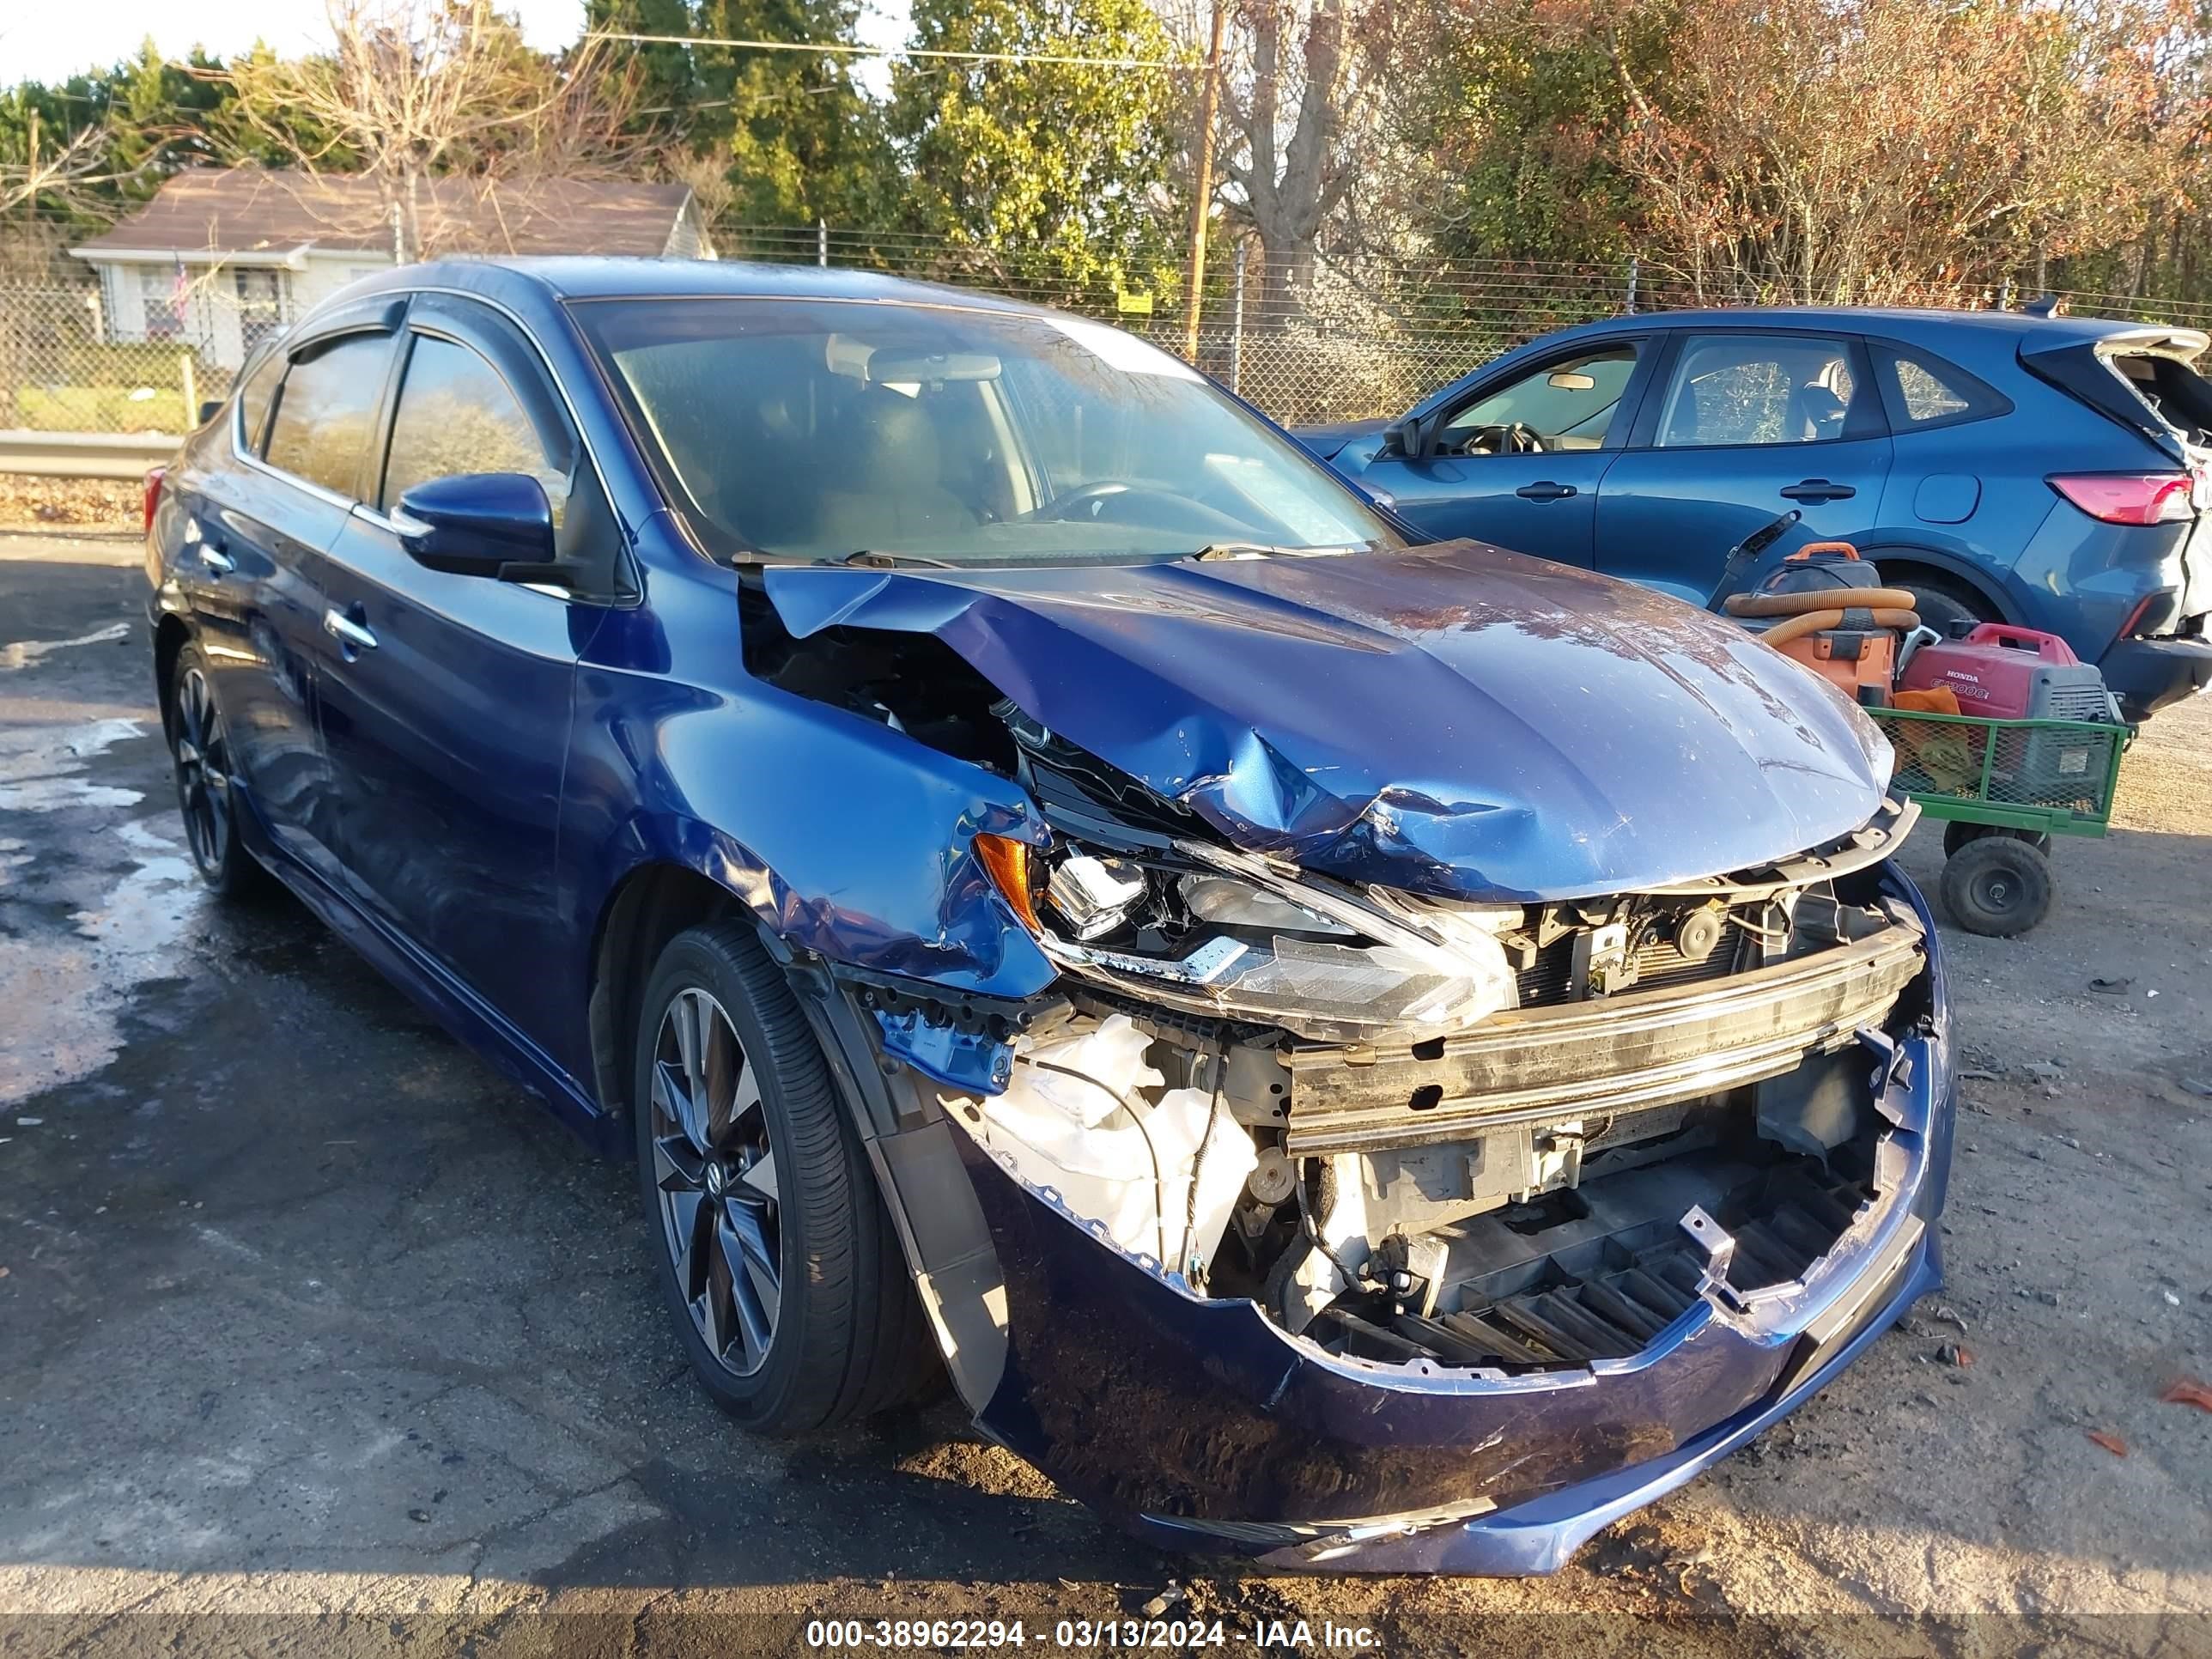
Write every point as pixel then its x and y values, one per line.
pixel 1566 405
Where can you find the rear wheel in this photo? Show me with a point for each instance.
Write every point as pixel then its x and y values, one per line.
pixel 1997 886
pixel 788 1287
pixel 200 756
pixel 1958 833
pixel 1939 609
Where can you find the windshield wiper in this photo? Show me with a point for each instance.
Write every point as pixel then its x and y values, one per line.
pixel 868 557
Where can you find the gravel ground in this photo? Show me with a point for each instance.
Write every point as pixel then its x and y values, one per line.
pixel 315 1331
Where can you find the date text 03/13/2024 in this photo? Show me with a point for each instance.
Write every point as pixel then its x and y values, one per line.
pixel 1274 1635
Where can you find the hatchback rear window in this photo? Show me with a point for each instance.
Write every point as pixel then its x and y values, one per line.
pixel 2174 387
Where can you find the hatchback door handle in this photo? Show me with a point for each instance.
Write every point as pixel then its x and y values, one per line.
pixel 1819 490
pixel 1545 490
pixel 346 631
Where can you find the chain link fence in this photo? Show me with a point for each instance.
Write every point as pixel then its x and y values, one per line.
pixel 67 366
pixel 1334 337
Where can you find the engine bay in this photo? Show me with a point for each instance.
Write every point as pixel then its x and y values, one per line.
pixel 1523 1192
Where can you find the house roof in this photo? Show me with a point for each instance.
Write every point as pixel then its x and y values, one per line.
pixel 250 211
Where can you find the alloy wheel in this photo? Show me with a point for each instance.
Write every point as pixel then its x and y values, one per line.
pixel 715 1168
pixel 203 760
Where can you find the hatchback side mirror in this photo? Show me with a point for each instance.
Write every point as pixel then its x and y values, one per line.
pixel 1407 439
pixel 481 523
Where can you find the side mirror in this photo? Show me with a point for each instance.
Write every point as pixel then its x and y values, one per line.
pixel 209 408
pixel 481 523
pixel 1408 438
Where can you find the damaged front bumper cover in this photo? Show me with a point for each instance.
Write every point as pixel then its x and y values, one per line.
pixel 1203 1425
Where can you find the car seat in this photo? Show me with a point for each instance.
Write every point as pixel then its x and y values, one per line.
pixel 1820 413
pixel 891 485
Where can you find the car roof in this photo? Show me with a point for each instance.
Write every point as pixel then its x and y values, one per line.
pixel 1863 319
pixel 602 278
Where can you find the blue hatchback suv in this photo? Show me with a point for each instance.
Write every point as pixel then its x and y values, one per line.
pixel 2051 471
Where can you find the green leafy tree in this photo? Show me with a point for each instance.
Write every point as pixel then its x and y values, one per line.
pixel 1521 106
pixel 768 138
pixel 1057 173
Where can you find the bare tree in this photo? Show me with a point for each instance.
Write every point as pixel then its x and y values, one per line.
pixel 1882 150
pixel 1299 129
pixel 422 90
pixel 55 174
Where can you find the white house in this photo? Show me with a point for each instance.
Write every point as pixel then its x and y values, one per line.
pixel 222 259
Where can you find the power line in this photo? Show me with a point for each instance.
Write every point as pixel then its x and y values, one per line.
pixel 842 49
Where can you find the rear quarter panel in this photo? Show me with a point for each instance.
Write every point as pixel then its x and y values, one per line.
pixel 2045 563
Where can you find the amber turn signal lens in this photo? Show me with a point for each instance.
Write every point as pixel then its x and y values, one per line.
pixel 1007 864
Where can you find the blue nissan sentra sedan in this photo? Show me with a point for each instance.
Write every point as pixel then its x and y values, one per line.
pixel 1350 1051
pixel 2051 471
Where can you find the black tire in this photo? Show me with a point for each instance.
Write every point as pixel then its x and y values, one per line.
pixel 1938 609
pixel 844 1335
pixel 1959 833
pixel 1997 886
pixel 200 761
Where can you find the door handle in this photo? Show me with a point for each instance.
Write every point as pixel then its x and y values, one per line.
pixel 1819 490
pixel 346 631
pixel 1545 490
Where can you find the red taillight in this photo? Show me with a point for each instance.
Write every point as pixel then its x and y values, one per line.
pixel 2129 497
pixel 153 496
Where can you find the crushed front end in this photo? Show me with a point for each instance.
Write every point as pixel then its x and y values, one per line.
pixel 1475 1060
pixel 1352 1229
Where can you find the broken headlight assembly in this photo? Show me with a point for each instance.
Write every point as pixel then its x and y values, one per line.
pixel 1228 934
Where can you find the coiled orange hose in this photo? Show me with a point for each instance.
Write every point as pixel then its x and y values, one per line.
pixel 1815 622
pixel 1831 599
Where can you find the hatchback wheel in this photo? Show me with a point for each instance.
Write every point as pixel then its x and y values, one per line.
pixel 789 1290
pixel 199 752
pixel 1942 611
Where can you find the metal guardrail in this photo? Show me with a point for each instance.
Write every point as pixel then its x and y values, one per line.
pixel 84 454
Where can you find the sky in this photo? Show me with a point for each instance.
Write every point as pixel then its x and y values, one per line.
pixel 51 39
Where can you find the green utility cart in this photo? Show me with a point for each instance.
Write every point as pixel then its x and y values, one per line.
pixel 2004 788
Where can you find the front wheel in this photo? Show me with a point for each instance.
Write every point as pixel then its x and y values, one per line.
pixel 1997 886
pixel 786 1282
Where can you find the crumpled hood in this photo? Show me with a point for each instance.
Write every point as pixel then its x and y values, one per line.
pixel 1454 718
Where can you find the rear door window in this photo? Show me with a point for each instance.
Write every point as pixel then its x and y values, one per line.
pixel 1732 389
pixel 254 397
pixel 325 414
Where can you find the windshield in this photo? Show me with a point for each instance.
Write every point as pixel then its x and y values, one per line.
pixel 826 430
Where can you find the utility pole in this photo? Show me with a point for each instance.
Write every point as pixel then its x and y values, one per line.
pixel 1201 194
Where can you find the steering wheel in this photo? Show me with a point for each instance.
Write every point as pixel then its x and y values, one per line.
pixel 1518 439
pixel 1090 500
